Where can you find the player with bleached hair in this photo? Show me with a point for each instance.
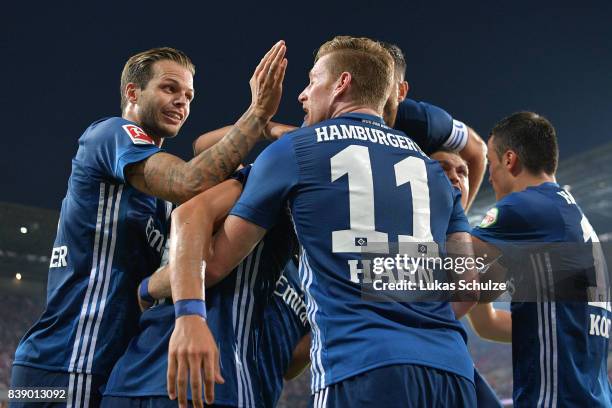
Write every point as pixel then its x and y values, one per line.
pixel 428 125
pixel 349 179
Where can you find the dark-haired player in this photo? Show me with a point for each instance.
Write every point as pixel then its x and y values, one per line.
pixel 113 221
pixel 559 348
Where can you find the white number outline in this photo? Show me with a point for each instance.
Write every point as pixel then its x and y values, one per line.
pixel 354 161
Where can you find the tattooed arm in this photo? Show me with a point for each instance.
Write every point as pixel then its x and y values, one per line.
pixel 166 176
pixel 271 132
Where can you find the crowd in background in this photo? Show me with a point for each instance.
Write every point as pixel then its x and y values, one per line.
pixel 17 313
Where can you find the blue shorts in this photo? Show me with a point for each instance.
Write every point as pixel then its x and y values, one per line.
pixel 484 393
pixel 83 390
pixel 404 386
pixel 145 402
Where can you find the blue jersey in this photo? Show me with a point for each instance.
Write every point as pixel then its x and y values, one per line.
pixel 430 127
pixel 559 349
pixel 235 310
pixel 340 178
pixel 284 325
pixel 109 237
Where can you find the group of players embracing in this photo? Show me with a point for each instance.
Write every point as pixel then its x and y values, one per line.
pixel 255 267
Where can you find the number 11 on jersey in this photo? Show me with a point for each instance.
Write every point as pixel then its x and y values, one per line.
pixel 355 162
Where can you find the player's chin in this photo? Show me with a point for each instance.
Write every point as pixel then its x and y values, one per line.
pixel 170 130
pixel 311 119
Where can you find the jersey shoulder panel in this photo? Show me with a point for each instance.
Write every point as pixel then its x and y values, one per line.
pixel 522 216
pixel 428 125
pixel 109 144
pixel 440 122
pixel 502 219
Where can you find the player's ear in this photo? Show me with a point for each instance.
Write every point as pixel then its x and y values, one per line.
pixel 404 87
pixel 512 162
pixel 132 92
pixel 342 84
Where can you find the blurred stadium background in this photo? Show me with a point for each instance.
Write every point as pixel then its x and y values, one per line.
pixel 27 236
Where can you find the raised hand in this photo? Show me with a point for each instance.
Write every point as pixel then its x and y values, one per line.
pixel 267 82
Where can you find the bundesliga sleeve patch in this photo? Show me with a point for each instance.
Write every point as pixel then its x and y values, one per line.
pixel 458 137
pixel 138 135
pixel 490 218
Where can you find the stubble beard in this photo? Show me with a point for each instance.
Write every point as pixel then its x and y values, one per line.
pixel 150 123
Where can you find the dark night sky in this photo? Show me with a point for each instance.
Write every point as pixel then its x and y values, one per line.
pixel 61 65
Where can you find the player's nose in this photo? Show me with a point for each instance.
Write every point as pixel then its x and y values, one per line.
pixel 181 100
pixel 454 178
pixel 302 97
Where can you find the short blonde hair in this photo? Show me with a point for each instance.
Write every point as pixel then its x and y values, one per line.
pixel 138 69
pixel 370 66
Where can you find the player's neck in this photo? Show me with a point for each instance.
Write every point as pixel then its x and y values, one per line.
pixel 532 180
pixel 351 107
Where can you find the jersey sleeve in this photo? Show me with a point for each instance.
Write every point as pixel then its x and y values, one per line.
pixel 458 137
pixel 270 181
pixel 500 224
pixel 507 229
pixel 430 127
pixel 242 175
pixel 112 144
pixel 458 221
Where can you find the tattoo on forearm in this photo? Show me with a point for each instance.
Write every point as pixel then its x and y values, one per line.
pixel 218 162
pixel 172 179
